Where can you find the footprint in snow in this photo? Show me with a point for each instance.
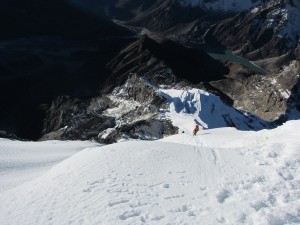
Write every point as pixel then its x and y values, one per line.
pixel 94 184
pixel 223 195
pixel 259 205
pixel 166 185
pixel 185 209
pixel 126 215
pixel 286 175
pixel 147 218
pixel 111 204
pixel 174 197
pixel 221 219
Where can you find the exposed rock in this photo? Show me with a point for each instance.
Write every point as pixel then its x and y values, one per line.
pixel 139 89
pixel 145 129
pixel 265 96
pixel 132 111
pixel 36 70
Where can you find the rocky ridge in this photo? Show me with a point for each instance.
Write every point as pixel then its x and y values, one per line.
pixel 130 111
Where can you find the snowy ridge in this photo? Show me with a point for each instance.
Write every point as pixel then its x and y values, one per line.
pixel 194 106
pixel 221 5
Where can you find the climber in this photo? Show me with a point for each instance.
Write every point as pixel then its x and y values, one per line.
pixel 196 129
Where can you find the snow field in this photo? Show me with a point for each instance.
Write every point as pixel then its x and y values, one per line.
pixel 162 182
pixel 24 161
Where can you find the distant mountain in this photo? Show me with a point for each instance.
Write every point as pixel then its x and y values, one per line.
pixel 33 17
pixel 221 5
pixel 269 30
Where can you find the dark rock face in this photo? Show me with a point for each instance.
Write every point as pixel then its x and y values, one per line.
pixel 34 71
pixel 145 130
pixel 126 113
pixel 265 96
pixel 163 61
pixel 258 34
pixel 164 15
pixel 50 49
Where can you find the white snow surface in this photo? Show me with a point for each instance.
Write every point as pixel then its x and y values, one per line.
pixel 222 5
pixel 220 176
pixel 193 106
pixel 24 161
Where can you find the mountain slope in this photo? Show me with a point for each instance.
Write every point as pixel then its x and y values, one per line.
pixel 50 49
pixel 210 179
pixel 152 55
pixel 220 5
pixel 269 30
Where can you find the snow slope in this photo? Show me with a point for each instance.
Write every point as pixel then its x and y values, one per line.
pixel 23 161
pixel 222 176
pixel 193 106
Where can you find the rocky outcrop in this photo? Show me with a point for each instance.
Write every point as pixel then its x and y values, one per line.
pixel 266 96
pixel 130 111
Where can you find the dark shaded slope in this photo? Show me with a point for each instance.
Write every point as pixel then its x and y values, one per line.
pixel 42 71
pixel 50 49
pixel 20 18
pixel 164 15
pixel 163 61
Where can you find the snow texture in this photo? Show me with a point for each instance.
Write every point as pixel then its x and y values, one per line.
pixel 23 161
pixel 219 176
